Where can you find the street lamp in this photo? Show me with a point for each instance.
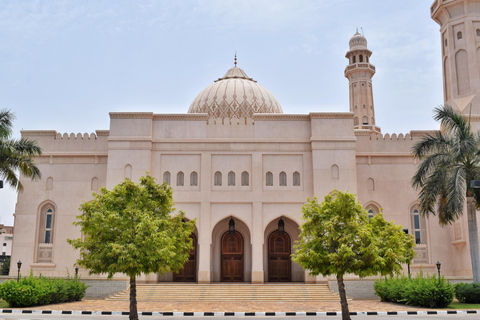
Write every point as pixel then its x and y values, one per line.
pixel 408 264
pixel 231 227
pixel 76 271
pixel 281 227
pixel 19 265
pixel 438 268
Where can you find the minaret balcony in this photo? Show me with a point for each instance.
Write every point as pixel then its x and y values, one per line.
pixel 359 66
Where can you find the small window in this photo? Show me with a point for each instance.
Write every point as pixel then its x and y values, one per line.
pixel 446 42
pixel 370 214
pixel 370 184
pixel 368 59
pixel 355 121
pixel 245 178
pixel 128 171
pixel 180 178
pixel 94 184
pixel 193 179
pixel 4 244
pixel 459 35
pixel 269 179
pixel 217 179
pixel 372 210
pixel 478 32
pixel 231 178
pixel 335 172
pixel 354 59
pixel 361 58
pixel 49 183
pixel 418 227
pixel 365 120
pixel 296 179
pixel 166 177
pixel 48 226
pixel 283 179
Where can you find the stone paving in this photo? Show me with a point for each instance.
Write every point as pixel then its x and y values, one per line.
pixel 230 306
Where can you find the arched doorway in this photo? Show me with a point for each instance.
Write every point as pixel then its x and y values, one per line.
pixel 279 263
pixel 188 273
pixel 232 257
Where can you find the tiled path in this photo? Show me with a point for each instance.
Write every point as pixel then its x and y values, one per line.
pixel 240 306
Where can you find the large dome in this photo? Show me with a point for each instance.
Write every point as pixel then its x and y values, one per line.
pixel 235 96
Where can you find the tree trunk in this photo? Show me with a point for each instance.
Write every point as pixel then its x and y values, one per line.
pixel 133 299
pixel 343 298
pixel 473 238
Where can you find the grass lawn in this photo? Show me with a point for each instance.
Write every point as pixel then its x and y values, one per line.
pixel 458 305
pixel 4 304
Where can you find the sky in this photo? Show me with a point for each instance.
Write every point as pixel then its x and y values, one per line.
pixel 64 65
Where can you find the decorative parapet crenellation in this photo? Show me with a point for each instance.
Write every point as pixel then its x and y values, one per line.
pixel 131 115
pixel 422 133
pixel 280 117
pixel 44 133
pixel 182 117
pixel 102 133
pixel 331 115
pixel 414 134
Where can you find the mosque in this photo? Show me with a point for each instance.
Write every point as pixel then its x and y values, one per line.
pixel 243 169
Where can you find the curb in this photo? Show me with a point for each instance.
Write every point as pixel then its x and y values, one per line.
pixel 240 314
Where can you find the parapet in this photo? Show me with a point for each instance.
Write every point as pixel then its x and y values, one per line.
pixel 53 141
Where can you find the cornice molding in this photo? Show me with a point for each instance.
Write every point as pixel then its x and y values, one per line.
pixel 421 133
pixel 131 115
pixel 331 115
pixel 102 133
pixel 52 133
pixel 280 117
pixel 182 116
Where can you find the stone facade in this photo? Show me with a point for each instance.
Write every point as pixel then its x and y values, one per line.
pixel 236 157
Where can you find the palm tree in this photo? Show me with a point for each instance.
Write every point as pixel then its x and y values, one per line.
pixel 16 155
pixel 450 160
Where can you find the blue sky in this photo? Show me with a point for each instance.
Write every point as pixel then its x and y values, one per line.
pixel 65 64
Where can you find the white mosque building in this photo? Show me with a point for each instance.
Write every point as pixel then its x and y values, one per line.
pixel 236 160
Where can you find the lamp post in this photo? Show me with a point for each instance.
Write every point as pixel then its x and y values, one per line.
pixel 408 264
pixel 76 271
pixel 19 266
pixel 231 227
pixel 281 227
pixel 438 264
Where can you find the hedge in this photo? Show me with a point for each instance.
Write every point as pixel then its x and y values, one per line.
pixel 467 292
pixel 425 291
pixel 36 291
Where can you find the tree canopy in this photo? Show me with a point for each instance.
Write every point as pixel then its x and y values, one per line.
pixel 337 237
pixel 16 155
pixel 130 230
pixel 450 161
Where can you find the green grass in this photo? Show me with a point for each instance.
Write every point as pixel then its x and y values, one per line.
pixel 4 304
pixel 458 305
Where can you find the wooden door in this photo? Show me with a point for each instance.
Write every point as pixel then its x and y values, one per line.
pixel 279 263
pixel 188 273
pixel 232 257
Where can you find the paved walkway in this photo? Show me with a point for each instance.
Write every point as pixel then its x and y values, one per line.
pixel 231 306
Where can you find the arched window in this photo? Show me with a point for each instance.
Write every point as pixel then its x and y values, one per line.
pixel 180 178
pixel 361 58
pixel 128 171
pixel 245 178
pixel 370 184
pixel 365 120
pixel 269 179
pixel 217 179
pixel 367 59
pixel 283 179
pixel 166 177
pixel 335 172
pixel 296 178
pixel 193 179
pixel 94 184
pixel 46 224
pixel 49 183
pixel 354 59
pixel 231 178
pixel 355 121
pixel 418 226
pixel 372 210
pixel 459 35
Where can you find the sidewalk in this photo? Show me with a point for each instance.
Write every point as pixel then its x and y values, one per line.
pixel 231 306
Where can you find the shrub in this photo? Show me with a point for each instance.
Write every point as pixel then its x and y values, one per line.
pixel 424 291
pixel 467 292
pixel 31 291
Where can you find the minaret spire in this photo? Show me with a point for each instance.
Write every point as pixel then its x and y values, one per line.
pixel 235 58
pixel 360 72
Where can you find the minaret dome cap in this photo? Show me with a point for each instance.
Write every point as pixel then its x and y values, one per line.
pixel 358 41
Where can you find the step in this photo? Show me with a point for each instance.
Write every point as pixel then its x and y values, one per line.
pixel 229 292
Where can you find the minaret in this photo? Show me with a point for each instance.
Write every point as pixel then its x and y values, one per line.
pixel 359 73
pixel 459 22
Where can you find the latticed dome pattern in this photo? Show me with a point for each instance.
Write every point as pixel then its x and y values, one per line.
pixel 235 96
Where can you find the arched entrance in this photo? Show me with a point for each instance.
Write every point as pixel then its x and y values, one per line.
pixel 188 273
pixel 232 257
pixel 279 263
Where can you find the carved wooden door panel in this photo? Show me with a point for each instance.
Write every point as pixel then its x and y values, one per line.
pixel 279 263
pixel 232 257
pixel 188 273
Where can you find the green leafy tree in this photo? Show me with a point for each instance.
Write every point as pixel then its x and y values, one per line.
pixel 5 267
pixel 450 160
pixel 337 238
pixel 16 155
pixel 130 230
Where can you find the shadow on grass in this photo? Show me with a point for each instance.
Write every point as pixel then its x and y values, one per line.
pixel 458 305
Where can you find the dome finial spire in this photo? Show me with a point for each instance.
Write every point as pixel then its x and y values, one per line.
pixel 235 58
